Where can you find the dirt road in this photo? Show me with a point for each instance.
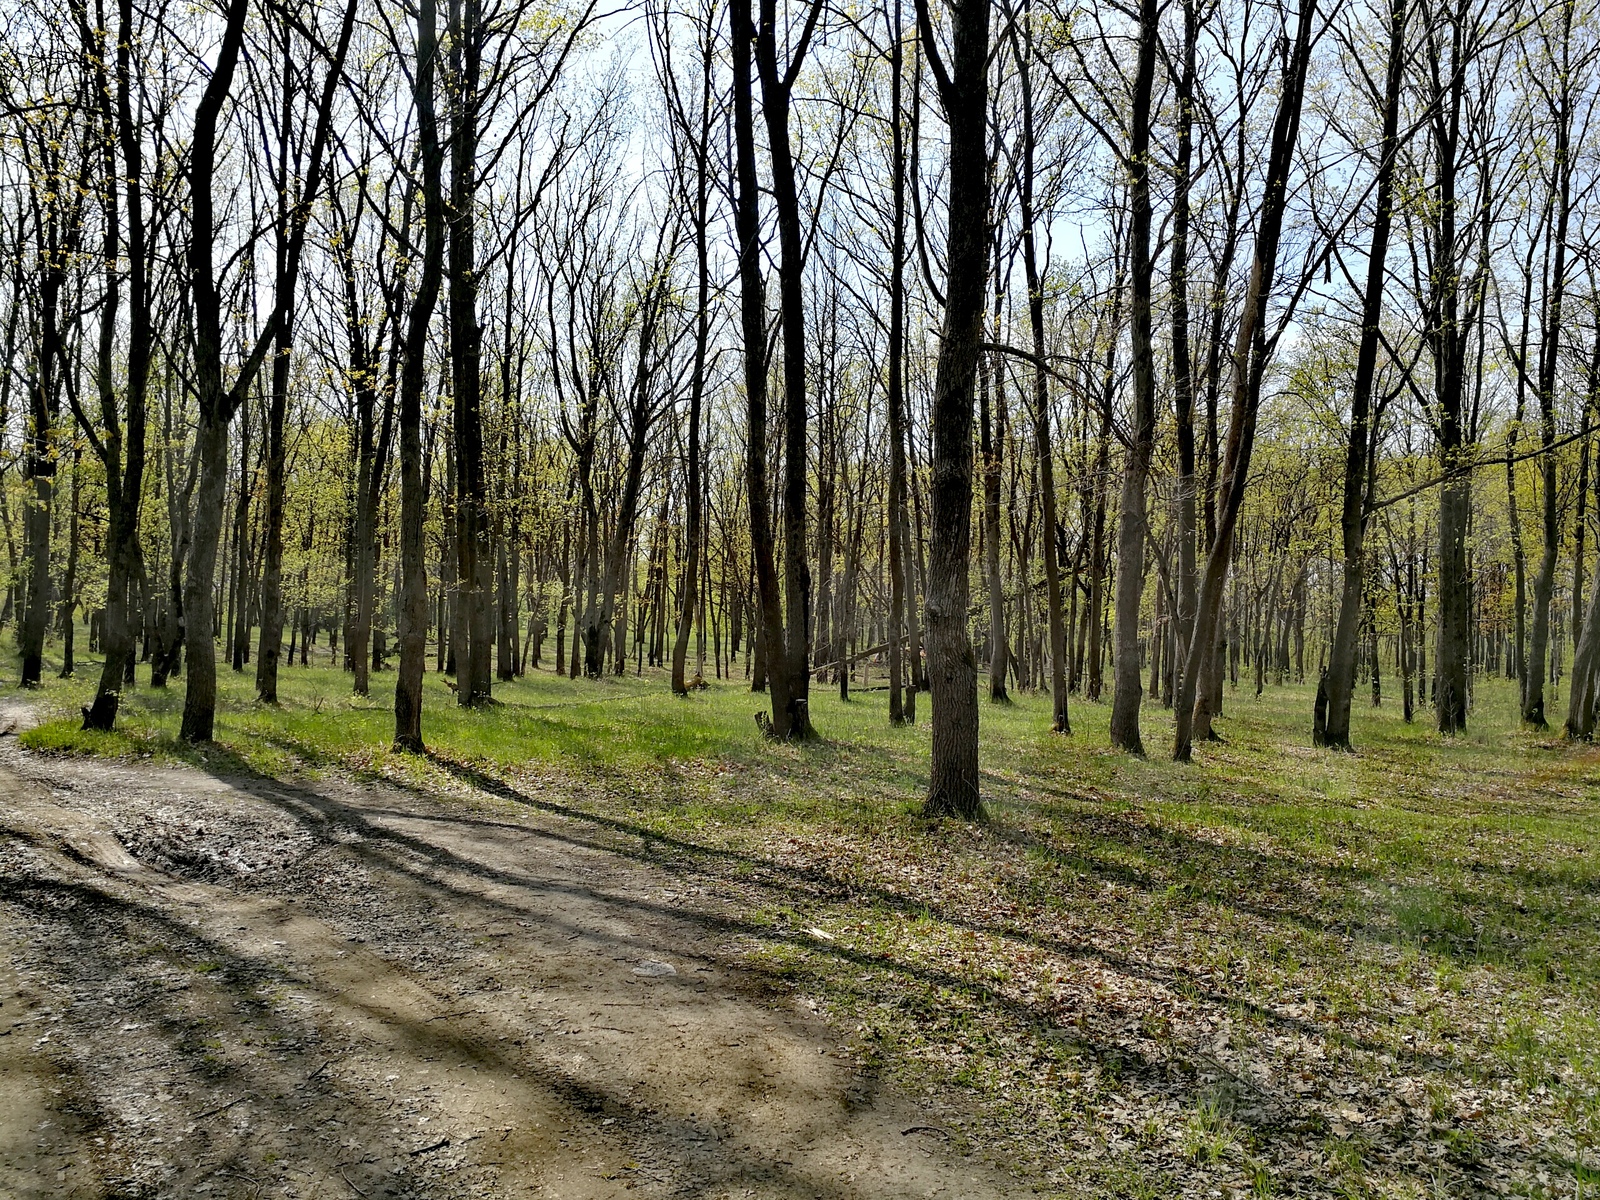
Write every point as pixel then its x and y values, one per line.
pixel 233 986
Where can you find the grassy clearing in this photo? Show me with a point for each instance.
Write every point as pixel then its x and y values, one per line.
pixel 1275 971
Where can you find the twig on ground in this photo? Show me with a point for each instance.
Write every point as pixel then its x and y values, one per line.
pixel 211 1112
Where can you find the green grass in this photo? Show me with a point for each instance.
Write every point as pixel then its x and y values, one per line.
pixel 1276 970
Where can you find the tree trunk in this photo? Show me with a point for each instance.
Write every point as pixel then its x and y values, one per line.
pixel 1550 331
pixel 952 673
pixel 1447 340
pixel 1022 46
pixel 39 462
pixel 1250 360
pixel 752 308
pixel 239 598
pixel 1182 364
pixel 124 442
pixel 199 598
pixel 1128 693
pixel 775 104
pixel 413 606
pixel 694 521
pixel 897 397
pixel 1358 471
pixel 217 403
pixel 474 543
pixel 991 436
pixel 65 617
pixel 271 645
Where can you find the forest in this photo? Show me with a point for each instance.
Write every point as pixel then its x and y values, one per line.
pixel 1134 462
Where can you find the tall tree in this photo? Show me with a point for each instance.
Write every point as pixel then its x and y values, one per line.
pixel 1565 73
pixel 413 607
pixel 121 443
pixel 692 132
pixel 952 672
pixel 899 602
pixel 1022 44
pixel 753 328
pixel 1183 377
pixel 59 169
pixel 1453 303
pixel 1252 348
pixel 1340 682
pixel 216 400
pixel 474 552
pixel 777 88
pixel 1131 513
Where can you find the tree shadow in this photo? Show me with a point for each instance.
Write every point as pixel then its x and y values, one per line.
pixel 1234 876
pixel 78 914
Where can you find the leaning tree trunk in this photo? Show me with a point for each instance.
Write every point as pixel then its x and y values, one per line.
pixel 1250 355
pixel 1357 471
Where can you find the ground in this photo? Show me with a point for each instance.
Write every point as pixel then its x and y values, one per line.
pixel 604 940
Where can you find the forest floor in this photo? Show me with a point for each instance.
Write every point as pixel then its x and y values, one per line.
pixel 296 963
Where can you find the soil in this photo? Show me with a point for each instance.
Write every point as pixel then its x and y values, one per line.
pixel 223 985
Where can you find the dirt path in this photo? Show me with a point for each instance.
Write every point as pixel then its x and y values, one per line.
pixel 241 987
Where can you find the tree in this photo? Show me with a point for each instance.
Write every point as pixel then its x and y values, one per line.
pixel 216 400
pixel 1358 474
pixel 288 237
pixel 1252 347
pixel 692 131
pixel 474 559
pixel 791 717
pixel 1452 298
pixel 413 612
pixel 1559 103
pixel 120 445
pixel 1132 530
pixel 1021 36
pixel 900 604
pixel 953 788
